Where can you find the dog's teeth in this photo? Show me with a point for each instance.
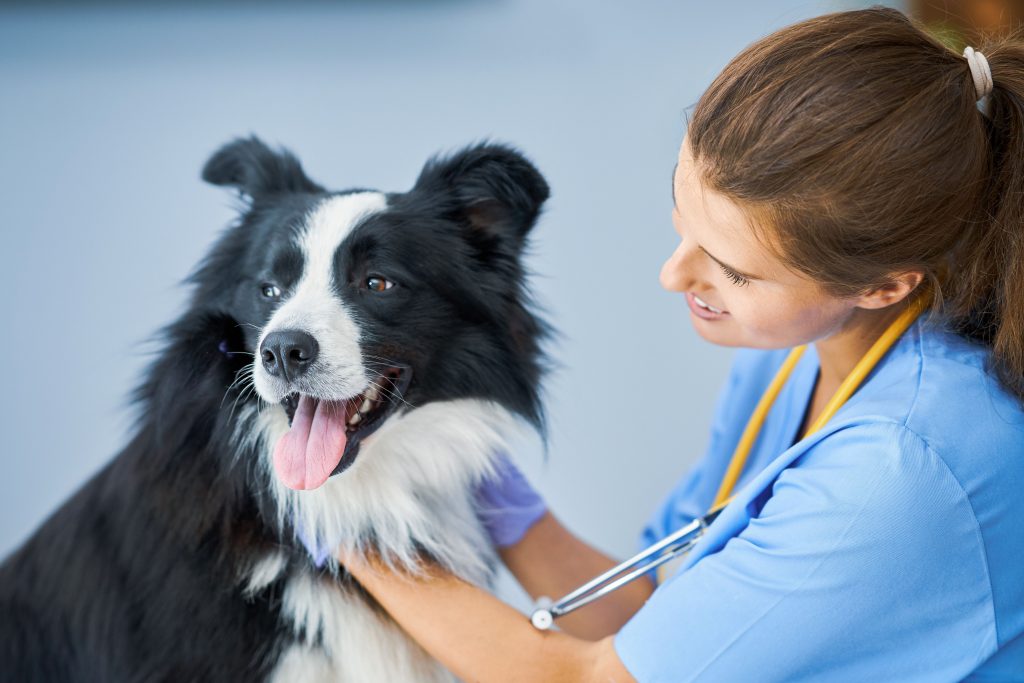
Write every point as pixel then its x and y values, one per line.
pixel 354 420
pixel 367 405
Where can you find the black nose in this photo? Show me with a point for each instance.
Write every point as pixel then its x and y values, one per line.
pixel 288 353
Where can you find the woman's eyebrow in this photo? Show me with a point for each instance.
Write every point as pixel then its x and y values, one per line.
pixel 728 267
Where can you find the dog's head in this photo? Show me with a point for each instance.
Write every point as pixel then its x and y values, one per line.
pixel 360 304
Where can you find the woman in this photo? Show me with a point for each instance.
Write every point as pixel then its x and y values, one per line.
pixel 836 172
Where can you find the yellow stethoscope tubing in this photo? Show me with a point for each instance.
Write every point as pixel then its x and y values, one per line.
pixel 849 385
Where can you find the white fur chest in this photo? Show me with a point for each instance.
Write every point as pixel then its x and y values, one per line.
pixel 411 488
pixel 341 639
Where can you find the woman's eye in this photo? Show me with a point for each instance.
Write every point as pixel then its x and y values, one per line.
pixel 736 278
pixel 376 283
pixel 271 291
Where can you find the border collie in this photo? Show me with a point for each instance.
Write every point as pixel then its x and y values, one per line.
pixel 348 367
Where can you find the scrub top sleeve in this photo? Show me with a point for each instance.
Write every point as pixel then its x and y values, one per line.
pixel 846 574
pixel 751 371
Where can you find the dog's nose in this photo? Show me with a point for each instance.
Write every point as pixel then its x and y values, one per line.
pixel 288 353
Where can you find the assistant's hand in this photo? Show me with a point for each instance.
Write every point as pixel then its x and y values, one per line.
pixel 507 505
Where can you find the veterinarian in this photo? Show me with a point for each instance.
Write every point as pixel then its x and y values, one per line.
pixel 838 176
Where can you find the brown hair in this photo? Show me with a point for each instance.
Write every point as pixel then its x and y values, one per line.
pixel 855 143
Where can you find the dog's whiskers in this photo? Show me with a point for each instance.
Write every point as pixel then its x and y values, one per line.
pixel 391 393
pixel 387 361
pixel 241 375
pixel 245 391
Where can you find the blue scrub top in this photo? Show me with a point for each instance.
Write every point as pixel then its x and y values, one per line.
pixel 887 546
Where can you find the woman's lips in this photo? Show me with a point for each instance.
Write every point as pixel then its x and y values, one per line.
pixel 704 311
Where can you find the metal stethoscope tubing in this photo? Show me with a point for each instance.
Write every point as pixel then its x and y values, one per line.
pixel 654 556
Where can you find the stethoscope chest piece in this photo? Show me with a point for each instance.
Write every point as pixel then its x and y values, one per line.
pixel 541 618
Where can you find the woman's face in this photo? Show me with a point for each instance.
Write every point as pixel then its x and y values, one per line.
pixel 756 301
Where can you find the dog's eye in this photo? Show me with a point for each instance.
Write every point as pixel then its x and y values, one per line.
pixel 271 291
pixel 376 283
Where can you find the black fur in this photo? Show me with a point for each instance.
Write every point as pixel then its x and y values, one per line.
pixel 136 577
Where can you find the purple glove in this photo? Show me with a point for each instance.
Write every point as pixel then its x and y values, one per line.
pixel 506 504
pixel 318 552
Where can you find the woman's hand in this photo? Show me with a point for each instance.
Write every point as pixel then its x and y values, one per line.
pixel 478 637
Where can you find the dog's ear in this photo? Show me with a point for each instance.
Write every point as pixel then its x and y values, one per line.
pixel 256 170
pixel 493 188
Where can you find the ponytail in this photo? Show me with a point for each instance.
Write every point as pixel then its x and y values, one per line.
pixel 986 291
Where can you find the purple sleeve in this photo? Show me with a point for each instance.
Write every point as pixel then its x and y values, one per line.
pixel 507 505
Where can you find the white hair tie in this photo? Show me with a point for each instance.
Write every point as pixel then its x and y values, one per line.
pixel 980 72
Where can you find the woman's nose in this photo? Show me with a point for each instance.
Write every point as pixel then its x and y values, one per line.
pixel 677 272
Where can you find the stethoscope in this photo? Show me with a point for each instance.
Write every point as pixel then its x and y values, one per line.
pixel 680 542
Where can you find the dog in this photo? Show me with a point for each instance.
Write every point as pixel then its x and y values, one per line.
pixel 347 369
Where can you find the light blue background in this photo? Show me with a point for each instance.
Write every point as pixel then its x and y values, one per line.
pixel 108 113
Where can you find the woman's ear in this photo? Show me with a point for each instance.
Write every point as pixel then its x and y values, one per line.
pixel 898 288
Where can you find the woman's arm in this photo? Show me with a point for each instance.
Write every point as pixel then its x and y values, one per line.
pixel 551 561
pixel 478 637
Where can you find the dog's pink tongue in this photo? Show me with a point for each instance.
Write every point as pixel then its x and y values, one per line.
pixel 308 452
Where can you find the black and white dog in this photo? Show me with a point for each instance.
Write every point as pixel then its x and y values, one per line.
pixel 387 339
